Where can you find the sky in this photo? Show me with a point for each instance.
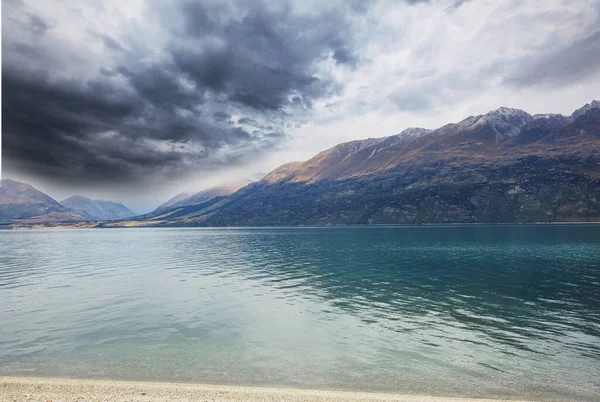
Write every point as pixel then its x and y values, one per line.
pixel 137 100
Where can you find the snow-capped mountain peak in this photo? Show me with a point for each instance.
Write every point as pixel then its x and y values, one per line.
pixel 585 108
pixel 413 132
pixel 508 114
pixel 503 120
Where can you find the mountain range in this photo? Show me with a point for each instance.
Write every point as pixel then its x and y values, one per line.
pixel 502 166
pixel 24 204
pixel 97 209
pixel 505 166
pixel 20 201
pixel 187 199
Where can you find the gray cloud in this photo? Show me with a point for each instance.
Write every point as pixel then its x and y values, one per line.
pixel 109 42
pixel 559 66
pixel 38 25
pixel 99 92
pixel 128 117
pixel 263 57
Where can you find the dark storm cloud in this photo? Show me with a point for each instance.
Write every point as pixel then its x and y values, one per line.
pixel 221 117
pixel 160 88
pixel 343 55
pixel 248 121
pixel 42 117
pixel 263 57
pixel 95 130
pixel 133 118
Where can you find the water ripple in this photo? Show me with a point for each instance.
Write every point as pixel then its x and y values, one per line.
pixel 474 310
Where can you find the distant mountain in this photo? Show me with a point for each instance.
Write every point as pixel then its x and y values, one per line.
pixel 20 201
pixel 174 202
pixel 97 209
pixel 187 199
pixel 502 166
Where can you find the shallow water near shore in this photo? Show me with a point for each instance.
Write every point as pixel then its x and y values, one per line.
pixel 488 311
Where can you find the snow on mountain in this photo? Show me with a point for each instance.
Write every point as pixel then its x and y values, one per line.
pixel 547 115
pixel 503 120
pixel 583 110
pixel 413 132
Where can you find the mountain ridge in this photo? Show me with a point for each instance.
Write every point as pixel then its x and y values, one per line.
pixel 502 166
pixel 21 201
pixel 187 199
pixel 97 209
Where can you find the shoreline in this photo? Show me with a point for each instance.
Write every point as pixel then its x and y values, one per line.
pixel 103 225
pixel 67 390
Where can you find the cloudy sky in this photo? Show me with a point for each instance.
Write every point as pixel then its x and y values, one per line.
pixel 137 100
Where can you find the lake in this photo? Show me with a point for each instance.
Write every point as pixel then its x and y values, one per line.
pixel 443 310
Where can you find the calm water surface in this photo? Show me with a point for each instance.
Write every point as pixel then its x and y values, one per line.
pixel 469 310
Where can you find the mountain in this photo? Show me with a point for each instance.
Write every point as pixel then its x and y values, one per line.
pixel 537 128
pixel 185 199
pixel 189 199
pixel 585 108
pixel 97 209
pixel 502 166
pixel 20 201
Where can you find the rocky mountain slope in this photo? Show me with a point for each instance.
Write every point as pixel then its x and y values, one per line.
pixel 20 201
pixel 503 166
pixel 585 108
pixel 97 209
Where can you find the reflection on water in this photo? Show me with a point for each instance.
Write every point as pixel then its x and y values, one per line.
pixel 461 310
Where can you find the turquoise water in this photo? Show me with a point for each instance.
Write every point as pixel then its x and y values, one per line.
pixel 461 310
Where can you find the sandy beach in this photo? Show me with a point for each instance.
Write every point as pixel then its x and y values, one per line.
pixel 18 389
